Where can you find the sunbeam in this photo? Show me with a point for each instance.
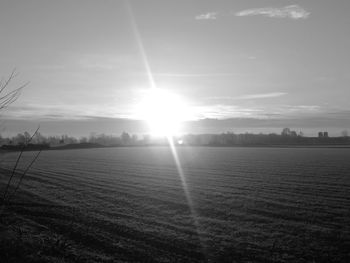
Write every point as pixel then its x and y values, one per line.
pixel 186 191
pixel 140 46
pixel 169 136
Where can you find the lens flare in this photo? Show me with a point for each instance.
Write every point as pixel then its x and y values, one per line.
pixel 163 111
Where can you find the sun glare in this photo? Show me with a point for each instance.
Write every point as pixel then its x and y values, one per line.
pixel 163 111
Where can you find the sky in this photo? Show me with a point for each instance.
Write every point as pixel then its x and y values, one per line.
pixel 253 65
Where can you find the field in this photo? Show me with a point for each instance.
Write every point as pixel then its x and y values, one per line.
pixel 229 205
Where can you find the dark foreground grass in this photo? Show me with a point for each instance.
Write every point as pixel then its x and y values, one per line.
pixel 40 231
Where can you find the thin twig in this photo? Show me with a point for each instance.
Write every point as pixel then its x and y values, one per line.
pixel 16 164
pixel 24 173
pixel 11 96
pixel 12 76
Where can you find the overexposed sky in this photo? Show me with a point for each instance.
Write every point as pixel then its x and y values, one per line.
pixel 279 59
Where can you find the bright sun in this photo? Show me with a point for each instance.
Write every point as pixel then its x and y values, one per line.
pixel 163 111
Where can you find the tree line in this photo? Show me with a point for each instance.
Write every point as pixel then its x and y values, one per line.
pixel 286 137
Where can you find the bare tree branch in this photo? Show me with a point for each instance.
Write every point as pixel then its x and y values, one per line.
pixel 24 173
pixel 11 96
pixel 16 164
pixel 6 100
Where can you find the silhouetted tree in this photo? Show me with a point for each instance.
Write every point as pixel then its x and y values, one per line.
pixel 286 132
pixel 26 136
pixel 19 139
pixel 345 133
pixel 134 139
pixel 83 140
pixel 125 138
pixel 293 134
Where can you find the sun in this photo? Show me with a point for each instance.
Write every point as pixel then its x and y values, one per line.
pixel 163 111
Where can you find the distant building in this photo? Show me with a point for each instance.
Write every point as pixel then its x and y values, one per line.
pixel 323 134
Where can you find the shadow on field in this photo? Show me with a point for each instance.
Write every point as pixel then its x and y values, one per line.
pixel 33 229
pixel 40 231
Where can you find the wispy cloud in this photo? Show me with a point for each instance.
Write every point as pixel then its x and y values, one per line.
pixel 291 11
pixel 207 16
pixel 194 75
pixel 75 111
pixel 262 95
pixel 221 111
pixel 303 108
pixel 252 96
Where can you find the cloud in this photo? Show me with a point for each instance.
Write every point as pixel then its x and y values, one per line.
pixel 291 11
pixel 207 16
pixel 262 96
pixel 252 96
pixel 194 75
pixel 73 111
pixel 221 111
